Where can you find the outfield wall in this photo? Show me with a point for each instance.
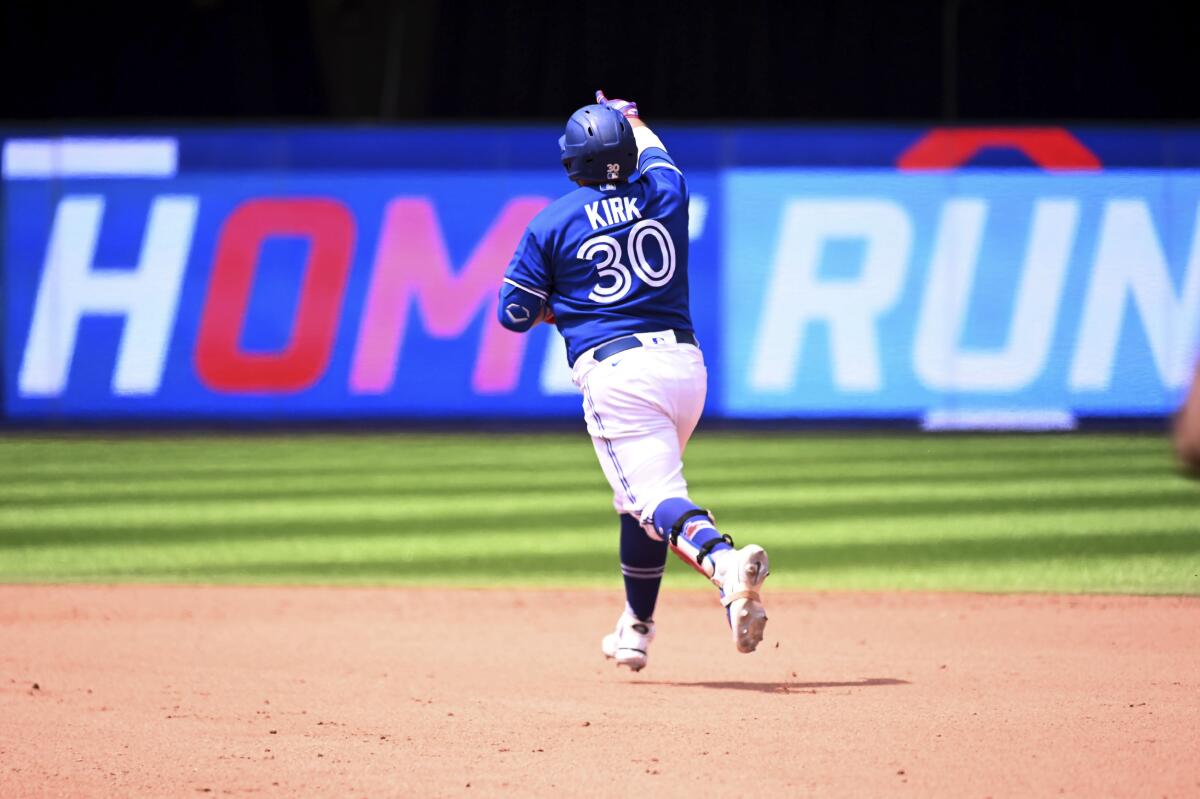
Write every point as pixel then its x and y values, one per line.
pixel 999 277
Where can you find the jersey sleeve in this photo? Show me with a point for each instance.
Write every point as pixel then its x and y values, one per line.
pixel 526 288
pixel 652 153
pixel 528 270
pixel 654 160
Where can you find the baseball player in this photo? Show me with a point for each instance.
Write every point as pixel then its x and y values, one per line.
pixel 608 265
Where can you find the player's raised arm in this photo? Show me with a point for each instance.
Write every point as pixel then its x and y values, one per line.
pixel 652 153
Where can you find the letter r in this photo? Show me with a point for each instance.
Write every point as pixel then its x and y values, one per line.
pixel 797 296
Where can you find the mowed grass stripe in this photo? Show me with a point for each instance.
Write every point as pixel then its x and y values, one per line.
pixel 1087 513
pixel 474 540
pixel 323 480
pixel 241 553
pixel 33 457
pixel 284 448
pixel 1093 562
pixel 1009 535
pixel 915 449
pixel 455 535
pixel 268 486
pixel 471 544
pixel 415 462
pixel 705 488
pixel 820 501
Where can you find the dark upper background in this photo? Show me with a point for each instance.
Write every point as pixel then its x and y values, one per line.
pixel 809 60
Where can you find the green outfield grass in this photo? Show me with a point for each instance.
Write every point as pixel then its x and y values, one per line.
pixel 1074 513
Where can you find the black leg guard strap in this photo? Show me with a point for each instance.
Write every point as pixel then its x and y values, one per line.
pixel 677 527
pixel 708 547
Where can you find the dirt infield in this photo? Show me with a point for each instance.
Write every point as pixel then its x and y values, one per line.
pixel 180 691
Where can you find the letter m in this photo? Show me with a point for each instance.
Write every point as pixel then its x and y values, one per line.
pixel 412 265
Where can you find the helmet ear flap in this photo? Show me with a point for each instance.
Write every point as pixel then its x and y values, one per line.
pixel 562 153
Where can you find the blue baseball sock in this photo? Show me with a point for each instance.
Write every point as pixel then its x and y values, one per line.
pixel 642 562
pixel 698 539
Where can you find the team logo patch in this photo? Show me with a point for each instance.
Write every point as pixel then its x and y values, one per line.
pixel 516 312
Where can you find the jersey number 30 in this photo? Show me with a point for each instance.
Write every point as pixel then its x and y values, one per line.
pixel 610 267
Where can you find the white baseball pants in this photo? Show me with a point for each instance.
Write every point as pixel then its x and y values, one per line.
pixel 641 406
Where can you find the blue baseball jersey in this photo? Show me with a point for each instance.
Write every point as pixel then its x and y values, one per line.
pixel 610 259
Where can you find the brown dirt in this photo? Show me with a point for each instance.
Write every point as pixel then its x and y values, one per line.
pixel 182 691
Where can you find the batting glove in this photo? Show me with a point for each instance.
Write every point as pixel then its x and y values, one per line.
pixel 627 108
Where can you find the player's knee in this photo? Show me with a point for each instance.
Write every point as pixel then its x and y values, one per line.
pixel 642 538
pixel 669 516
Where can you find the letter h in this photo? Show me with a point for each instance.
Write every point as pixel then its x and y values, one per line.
pixel 71 287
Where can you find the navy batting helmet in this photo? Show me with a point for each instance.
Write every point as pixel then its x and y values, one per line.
pixel 598 146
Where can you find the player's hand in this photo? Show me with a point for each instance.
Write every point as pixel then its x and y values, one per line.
pixel 627 108
pixel 548 316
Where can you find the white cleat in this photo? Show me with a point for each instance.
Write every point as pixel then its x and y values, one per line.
pixel 743 576
pixel 629 643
